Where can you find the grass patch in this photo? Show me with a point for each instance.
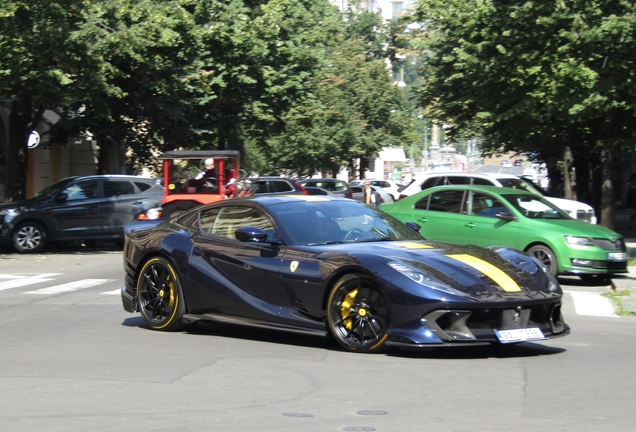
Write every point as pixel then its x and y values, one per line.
pixel 617 297
pixel 631 262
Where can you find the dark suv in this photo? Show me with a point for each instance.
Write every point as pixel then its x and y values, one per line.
pixel 94 207
pixel 337 187
pixel 274 185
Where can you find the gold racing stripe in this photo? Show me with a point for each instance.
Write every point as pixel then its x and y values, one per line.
pixel 503 280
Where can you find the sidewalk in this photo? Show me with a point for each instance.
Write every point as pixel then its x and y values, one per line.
pixel 626 281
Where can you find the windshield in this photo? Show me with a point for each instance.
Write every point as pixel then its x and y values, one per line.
pixel 52 190
pixel 320 221
pixel 535 207
pixel 517 183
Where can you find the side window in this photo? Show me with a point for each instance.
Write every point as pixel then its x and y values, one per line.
pixel 81 190
pixel 339 186
pixel 116 188
pixel 429 183
pixel 446 201
pixel 232 218
pixel 281 186
pixel 422 204
pixel 482 182
pixel 143 186
pixel 207 219
pixel 260 187
pixel 457 180
pixel 485 205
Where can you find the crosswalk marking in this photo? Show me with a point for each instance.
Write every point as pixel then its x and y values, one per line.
pixel 20 281
pixel 113 292
pixel 593 304
pixel 71 286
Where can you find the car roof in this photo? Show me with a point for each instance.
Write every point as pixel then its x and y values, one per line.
pixel 114 176
pixel 283 198
pixel 490 189
pixel 200 154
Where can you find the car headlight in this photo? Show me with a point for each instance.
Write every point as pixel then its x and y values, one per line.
pixel 423 278
pixel 578 241
pixel 8 214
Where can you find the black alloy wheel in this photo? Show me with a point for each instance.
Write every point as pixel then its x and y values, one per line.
pixel 546 256
pixel 160 297
pixel 29 237
pixel 358 315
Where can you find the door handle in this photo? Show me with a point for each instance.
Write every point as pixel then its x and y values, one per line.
pixel 469 225
pixel 422 219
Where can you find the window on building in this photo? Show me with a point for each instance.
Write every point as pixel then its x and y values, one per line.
pixel 396 9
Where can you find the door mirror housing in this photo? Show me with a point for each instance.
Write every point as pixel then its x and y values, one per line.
pixel 251 234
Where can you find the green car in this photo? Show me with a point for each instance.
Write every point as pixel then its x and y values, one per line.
pixel 494 216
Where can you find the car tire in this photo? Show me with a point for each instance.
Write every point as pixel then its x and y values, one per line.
pixel 160 296
pixel 29 237
pixel 358 315
pixel 546 256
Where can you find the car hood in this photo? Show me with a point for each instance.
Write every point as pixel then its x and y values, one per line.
pixel 568 204
pixel 576 228
pixel 472 273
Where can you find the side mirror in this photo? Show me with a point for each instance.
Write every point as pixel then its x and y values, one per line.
pixel 505 215
pixel 61 197
pixel 251 234
pixel 415 227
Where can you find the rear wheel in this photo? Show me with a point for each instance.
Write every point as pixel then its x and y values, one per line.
pixel 546 256
pixel 358 315
pixel 160 297
pixel 29 237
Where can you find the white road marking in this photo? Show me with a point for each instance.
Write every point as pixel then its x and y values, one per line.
pixel 21 281
pixel 114 292
pixel 593 304
pixel 71 286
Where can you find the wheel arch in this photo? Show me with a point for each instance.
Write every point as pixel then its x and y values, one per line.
pixel 549 246
pixel 48 231
pixel 354 271
pixel 160 254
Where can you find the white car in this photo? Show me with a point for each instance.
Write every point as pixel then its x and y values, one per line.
pixel 388 185
pixel 576 209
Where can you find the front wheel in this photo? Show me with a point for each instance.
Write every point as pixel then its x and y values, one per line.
pixel 546 256
pixel 358 315
pixel 29 237
pixel 160 296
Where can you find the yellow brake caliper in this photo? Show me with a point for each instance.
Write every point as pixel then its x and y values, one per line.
pixel 347 303
pixel 171 285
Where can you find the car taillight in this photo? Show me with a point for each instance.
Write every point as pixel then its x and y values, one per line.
pixel 348 194
pixel 302 188
pixel 402 196
pixel 151 214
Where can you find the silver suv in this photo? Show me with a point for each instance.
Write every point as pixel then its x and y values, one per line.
pixel 575 209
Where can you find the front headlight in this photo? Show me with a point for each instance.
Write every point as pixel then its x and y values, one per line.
pixel 578 241
pixel 8 214
pixel 423 278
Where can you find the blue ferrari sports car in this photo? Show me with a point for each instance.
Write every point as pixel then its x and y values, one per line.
pixel 333 266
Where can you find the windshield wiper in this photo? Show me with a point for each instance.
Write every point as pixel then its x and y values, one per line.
pixel 325 243
pixel 386 238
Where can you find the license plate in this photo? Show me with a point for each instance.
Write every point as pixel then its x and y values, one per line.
pixel 617 256
pixel 519 335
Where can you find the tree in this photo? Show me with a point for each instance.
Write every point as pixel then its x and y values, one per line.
pixel 550 77
pixel 38 64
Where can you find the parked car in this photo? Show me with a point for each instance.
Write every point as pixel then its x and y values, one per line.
pixel 330 266
pixel 340 187
pixel 575 209
pixel 274 185
pixel 388 185
pixel 381 195
pixel 493 216
pixel 94 207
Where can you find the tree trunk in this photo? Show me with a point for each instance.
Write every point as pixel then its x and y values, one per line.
pixel 607 189
pixel 17 151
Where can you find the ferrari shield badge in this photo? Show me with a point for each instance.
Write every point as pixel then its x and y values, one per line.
pixel 293 266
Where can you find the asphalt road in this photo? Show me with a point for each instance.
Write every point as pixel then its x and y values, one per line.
pixel 71 359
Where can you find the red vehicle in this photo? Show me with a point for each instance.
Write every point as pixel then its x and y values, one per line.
pixel 188 182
